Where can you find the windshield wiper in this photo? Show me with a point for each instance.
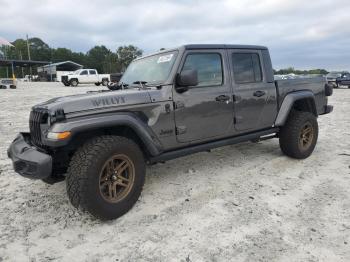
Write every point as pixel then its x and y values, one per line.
pixel 123 85
pixel 141 84
pixel 144 85
pixel 117 86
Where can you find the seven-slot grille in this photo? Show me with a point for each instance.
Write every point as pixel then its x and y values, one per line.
pixel 36 118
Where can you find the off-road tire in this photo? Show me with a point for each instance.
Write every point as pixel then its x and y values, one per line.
pixel 97 84
pixel 83 179
pixel 73 82
pixel 291 134
pixel 104 82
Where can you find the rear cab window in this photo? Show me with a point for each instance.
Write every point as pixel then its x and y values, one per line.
pixel 246 68
pixel 92 72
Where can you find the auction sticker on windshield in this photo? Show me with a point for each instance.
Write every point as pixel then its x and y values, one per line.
pixel 165 58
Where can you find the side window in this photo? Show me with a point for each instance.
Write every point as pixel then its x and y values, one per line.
pixel 85 72
pixel 92 72
pixel 208 66
pixel 246 68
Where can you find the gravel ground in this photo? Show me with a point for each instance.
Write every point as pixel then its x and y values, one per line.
pixel 245 202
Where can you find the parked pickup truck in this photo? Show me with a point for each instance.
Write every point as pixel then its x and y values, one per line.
pixel 8 83
pixel 85 76
pixel 343 80
pixel 170 104
pixel 334 77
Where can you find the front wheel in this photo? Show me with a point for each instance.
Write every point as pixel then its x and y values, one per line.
pixel 299 135
pixel 74 82
pixel 106 176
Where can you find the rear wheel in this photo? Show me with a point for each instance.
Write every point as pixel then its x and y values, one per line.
pixel 106 176
pixel 104 82
pixel 299 135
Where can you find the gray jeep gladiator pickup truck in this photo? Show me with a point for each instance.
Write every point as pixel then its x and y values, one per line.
pixel 169 104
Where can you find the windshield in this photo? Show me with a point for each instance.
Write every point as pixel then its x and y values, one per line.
pixel 153 69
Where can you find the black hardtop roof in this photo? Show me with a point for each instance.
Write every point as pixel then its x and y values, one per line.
pixel 222 46
pixel 205 46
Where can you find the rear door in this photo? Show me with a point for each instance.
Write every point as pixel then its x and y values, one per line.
pixel 204 111
pixel 93 77
pixel 255 98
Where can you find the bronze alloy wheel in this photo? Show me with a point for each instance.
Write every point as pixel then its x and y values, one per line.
pixel 116 178
pixel 306 136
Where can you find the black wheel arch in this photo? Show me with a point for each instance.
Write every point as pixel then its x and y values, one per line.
pixel 127 125
pixel 299 101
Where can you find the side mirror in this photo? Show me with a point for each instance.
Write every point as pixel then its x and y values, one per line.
pixel 186 79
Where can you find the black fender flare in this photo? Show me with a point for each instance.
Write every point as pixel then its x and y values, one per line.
pixel 288 103
pixel 130 120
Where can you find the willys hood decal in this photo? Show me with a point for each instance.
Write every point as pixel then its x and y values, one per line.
pixel 97 100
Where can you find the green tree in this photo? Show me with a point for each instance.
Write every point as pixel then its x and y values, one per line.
pixel 125 54
pixel 96 57
pixel 39 50
pixel 61 54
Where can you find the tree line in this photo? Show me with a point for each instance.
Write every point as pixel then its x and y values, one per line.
pixel 99 57
pixel 291 70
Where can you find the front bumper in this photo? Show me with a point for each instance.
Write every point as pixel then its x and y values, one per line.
pixel 27 160
pixel 328 109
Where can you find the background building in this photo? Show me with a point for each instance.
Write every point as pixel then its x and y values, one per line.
pixel 54 71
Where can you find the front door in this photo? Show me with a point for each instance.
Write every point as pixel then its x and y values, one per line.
pixel 84 77
pixel 204 111
pixel 255 98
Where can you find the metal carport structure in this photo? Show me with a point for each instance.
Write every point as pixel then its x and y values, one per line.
pixel 20 63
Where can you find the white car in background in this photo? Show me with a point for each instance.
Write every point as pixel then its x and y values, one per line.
pixel 85 76
pixel 6 83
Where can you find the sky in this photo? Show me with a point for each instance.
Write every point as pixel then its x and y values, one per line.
pixel 302 34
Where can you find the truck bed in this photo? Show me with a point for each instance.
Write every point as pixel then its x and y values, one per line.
pixel 314 84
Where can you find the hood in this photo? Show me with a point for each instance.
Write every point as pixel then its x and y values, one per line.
pixel 96 100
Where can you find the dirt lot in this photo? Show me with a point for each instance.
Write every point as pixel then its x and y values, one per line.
pixel 246 202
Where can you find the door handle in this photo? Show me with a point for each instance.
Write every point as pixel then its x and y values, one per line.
pixel 259 93
pixel 222 98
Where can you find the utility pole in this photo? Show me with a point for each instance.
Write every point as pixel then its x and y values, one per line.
pixel 21 57
pixel 5 55
pixel 30 67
